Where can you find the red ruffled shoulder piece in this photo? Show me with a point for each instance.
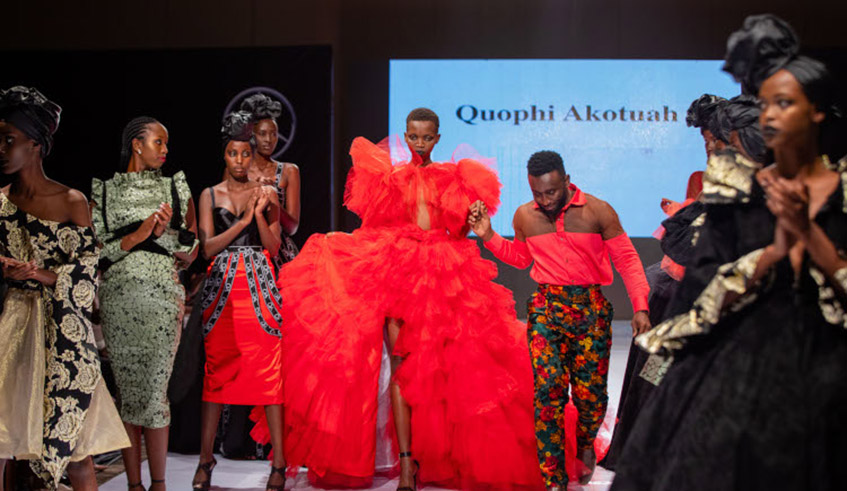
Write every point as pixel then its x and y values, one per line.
pixel 480 182
pixel 370 192
pixel 462 184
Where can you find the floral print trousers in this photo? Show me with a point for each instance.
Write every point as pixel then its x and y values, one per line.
pixel 569 329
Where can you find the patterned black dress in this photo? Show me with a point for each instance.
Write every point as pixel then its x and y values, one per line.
pixel 757 395
pixel 54 405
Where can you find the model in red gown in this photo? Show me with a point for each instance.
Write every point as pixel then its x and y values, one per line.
pixel 465 373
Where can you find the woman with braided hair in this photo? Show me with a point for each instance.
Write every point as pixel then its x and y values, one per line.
pixel 147 225
pixel 756 396
pixel 55 409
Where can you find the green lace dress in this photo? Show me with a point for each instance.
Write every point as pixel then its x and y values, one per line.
pixel 141 300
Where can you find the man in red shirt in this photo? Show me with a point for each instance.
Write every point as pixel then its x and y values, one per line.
pixel 570 236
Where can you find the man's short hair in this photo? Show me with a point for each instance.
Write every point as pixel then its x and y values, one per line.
pixel 545 161
pixel 423 114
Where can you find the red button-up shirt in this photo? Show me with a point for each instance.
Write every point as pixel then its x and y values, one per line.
pixel 575 258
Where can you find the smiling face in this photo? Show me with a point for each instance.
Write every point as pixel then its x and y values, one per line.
pixel 421 137
pixel 788 118
pixel 266 132
pixel 16 149
pixel 152 148
pixel 238 156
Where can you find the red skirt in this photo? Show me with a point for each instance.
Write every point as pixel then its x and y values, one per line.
pixel 466 371
pixel 241 320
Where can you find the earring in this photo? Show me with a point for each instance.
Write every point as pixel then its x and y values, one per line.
pixel 139 152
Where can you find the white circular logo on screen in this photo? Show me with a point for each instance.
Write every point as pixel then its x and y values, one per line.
pixel 287 121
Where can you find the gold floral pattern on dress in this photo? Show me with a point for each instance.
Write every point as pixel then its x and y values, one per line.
pixel 696 224
pixel 732 277
pixel 73 367
pixel 728 178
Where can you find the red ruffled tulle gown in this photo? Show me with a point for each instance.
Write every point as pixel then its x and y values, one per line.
pixel 466 371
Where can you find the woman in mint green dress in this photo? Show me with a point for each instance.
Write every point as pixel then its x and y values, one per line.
pixel 146 223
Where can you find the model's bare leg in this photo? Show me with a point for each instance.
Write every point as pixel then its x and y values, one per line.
pixel 82 475
pixel 401 410
pixel 132 456
pixel 157 455
pixel 210 413
pixel 274 415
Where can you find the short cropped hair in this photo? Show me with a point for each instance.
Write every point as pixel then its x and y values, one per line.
pixel 545 161
pixel 423 114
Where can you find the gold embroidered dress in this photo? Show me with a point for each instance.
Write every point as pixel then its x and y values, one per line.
pixel 54 405
pixel 756 397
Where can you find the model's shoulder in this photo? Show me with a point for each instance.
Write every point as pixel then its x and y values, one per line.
pixel 290 169
pixel 74 196
pixel 75 204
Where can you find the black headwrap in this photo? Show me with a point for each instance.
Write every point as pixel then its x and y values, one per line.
pixel 702 112
pixel 741 114
pixel 262 107
pixel 33 114
pixel 767 44
pixel 237 126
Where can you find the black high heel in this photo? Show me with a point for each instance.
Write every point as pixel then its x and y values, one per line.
pixel 156 481
pixel 404 455
pixel 207 467
pixel 135 485
pixel 276 487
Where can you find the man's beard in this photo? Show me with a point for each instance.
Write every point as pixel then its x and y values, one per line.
pixel 553 215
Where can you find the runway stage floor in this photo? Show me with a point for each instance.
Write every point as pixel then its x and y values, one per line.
pixel 241 475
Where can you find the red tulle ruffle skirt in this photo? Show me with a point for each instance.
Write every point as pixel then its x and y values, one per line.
pixel 466 371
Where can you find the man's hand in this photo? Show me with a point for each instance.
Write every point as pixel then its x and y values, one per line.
pixel 640 323
pixel 479 221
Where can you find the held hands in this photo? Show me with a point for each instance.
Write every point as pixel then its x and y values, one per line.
pixel 263 200
pixel 165 213
pixel 268 181
pixel 155 224
pixel 479 221
pixel 18 270
pixel 640 323
pixel 22 271
pixel 788 200
pixel 250 209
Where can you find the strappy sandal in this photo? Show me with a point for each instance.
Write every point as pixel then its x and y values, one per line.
pixel 156 481
pixel 276 487
pixel 404 455
pixel 207 467
pixel 135 485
